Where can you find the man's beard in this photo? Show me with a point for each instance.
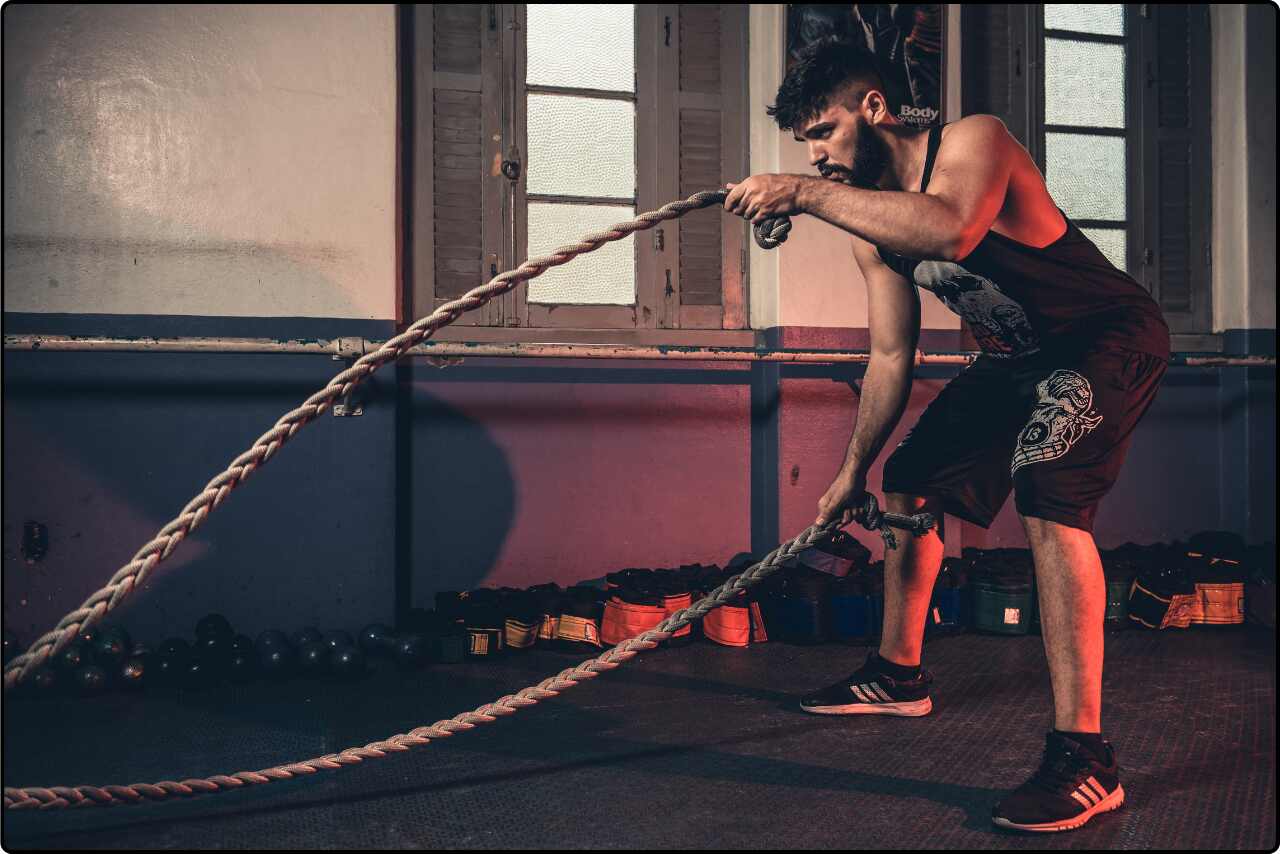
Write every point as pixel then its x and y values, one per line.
pixel 870 159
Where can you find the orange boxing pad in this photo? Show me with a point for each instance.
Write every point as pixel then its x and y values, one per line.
pixel 735 624
pixel 623 620
pixel 675 602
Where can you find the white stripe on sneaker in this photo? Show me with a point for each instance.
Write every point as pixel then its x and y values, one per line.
pixel 1088 793
pixel 1093 783
pixel 1082 800
pixel 857 692
pixel 883 696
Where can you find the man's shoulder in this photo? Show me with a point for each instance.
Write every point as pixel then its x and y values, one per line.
pixel 979 129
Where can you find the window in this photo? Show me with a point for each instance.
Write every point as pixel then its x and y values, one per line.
pixel 1085 128
pixel 1112 101
pixel 580 129
pixel 1124 151
pixel 536 124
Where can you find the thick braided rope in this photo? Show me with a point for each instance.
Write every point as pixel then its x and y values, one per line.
pixel 56 797
pixel 768 234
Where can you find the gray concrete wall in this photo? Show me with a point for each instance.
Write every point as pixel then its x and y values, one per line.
pixel 202 160
pixel 197 170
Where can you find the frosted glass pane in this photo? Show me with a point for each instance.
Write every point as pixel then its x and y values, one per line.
pixel 1112 242
pixel 586 46
pixel 1085 18
pixel 1085 174
pixel 1083 83
pixel 606 276
pixel 581 146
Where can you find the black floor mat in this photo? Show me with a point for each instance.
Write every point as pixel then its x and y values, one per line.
pixel 699 747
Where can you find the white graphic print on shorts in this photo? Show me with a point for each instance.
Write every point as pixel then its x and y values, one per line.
pixel 998 322
pixel 1061 418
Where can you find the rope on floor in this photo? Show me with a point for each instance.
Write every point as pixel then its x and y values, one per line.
pixel 769 234
pixel 81 796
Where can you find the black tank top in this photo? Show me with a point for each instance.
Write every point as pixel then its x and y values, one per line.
pixel 1019 300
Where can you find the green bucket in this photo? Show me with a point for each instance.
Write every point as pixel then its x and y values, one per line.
pixel 1118 600
pixel 1002 610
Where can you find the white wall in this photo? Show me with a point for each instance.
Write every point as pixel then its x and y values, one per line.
pixel 813 279
pixel 766 45
pixel 1244 166
pixel 200 160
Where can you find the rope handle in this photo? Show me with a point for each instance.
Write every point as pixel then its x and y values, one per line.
pixel 868 514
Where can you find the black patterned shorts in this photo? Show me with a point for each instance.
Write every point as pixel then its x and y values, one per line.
pixel 1052 430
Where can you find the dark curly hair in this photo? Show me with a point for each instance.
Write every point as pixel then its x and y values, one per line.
pixel 820 71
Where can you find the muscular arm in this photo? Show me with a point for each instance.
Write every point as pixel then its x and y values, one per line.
pixel 894 318
pixel 964 197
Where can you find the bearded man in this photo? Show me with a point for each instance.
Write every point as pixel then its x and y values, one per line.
pixel 1073 352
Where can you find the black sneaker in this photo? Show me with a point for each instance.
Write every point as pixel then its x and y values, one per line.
pixel 869 692
pixel 1071 787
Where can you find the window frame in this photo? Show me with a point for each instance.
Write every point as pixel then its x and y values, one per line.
pixel 646 91
pixel 1131 132
pixel 657 315
pixel 1193 329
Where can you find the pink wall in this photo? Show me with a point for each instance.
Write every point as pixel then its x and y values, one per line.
pixel 518 473
pixel 817 418
pixel 613 467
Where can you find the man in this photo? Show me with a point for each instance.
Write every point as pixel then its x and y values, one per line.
pixel 1073 351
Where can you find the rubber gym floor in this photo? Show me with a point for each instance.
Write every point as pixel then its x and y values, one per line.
pixel 699 746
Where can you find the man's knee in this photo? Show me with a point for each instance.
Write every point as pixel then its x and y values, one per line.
pixel 900 502
pixel 1040 530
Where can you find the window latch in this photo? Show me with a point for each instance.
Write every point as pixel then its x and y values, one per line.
pixel 511 166
pixel 658 241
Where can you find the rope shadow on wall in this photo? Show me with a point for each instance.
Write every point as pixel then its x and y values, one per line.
pixel 99 447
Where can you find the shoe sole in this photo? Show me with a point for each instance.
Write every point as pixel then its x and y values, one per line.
pixel 916 709
pixel 1111 802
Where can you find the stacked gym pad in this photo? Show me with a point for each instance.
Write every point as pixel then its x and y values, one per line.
pixel 1201 583
pixel 834 593
pixel 1002 590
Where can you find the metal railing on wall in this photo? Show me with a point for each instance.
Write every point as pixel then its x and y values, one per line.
pixel 451 351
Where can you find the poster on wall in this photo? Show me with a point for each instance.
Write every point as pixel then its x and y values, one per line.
pixel 905 39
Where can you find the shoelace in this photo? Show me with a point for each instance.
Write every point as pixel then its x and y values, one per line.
pixel 1060 769
pixel 869 674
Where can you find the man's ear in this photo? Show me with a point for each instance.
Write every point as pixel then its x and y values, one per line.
pixel 875 109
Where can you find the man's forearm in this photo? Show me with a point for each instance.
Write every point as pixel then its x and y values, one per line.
pixel 913 224
pixel 885 390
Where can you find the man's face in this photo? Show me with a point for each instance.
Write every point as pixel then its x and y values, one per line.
pixel 844 147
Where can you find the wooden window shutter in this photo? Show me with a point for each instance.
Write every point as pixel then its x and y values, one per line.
pixel 1177 168
pixel 454 208
pixel 996 56
pixel 711 129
